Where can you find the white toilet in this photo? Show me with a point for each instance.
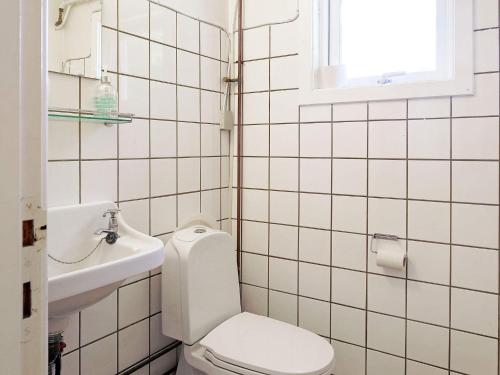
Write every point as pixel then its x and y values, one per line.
pixel 201 308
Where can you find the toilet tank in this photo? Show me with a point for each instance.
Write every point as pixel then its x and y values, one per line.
pixel 199 283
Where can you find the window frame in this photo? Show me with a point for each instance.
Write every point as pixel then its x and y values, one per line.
pixel 315 59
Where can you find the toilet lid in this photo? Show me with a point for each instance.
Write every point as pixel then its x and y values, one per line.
pixel 269 346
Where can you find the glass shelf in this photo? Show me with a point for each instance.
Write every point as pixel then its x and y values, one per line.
pixel 91 116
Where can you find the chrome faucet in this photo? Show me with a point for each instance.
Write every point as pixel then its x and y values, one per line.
pixel 112 229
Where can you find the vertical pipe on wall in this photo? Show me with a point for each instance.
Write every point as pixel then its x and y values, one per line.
pixel 240 137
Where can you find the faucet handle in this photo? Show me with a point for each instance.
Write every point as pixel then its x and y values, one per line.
pixel 112 212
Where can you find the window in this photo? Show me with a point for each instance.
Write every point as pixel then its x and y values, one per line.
pixel 386 49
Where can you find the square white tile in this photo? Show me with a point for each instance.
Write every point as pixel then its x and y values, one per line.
pixel 315 211
pixel 100 358
pixel 349 287
pixel 350 111
pixel 429 262
pixel 188 175
pixel 256 140
pixel 188 141
pixel 429 108
pixel 133 179
pixel 315 175
pixel 350 139
pixel 429 179
pixel 349 250
pixel 162 24
pixel 474 225
pixel 475 268
pixel 283 207
pixel 314 315
pixel 163 177
pixel 163 138
pixel 474 312
pixel 188 68
pixel 133 303
pixel 255 269
pixel 429 139
pixel 255 237
pixel 254 299
pixel 188 104
pixel 131 56
pixel 314 281
pixel 284 106
pixel 349 214
pixel 427 343
pixel 284 140
pixel 210 173
pixel 316 113
pixel 387 178
pixel 134 139
pixel 283 307
pixel 99 181
pixel 387 216
pixel 386 295
pixel 348 324
pixel 284 174
pixel 387 110
pixel 163 215
pixel 133 344
pixel 386 333
pixel 387 139
pixel 421 296
pixel 210 41
pixel 349 176
pixel 256 75
pixel 473 354
pixel 429 221
pixel 283 241
pixel 486 51
pixel 283 275
pixel 256 173
pixel 62 183
pixel 315 140
pixel 283 72
pixel 475 181
pixel 162 61
pixel 98 320
pixel 314 246
pixel 188 33
pixel 256 108
pixel 133 17
pixel 475 138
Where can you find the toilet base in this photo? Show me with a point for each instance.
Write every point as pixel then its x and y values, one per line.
pixel 184 368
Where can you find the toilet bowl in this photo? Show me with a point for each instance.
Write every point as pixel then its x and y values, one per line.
pixel 201 308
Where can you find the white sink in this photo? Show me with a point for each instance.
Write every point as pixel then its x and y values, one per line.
pixel 71 237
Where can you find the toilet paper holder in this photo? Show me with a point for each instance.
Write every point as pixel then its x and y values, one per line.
pixel 381 236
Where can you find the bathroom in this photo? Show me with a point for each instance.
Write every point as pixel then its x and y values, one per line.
pixel 337 160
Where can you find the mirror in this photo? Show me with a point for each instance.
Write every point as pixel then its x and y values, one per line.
pixel 75 37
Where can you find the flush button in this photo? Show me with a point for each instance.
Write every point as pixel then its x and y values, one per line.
pixel 200 230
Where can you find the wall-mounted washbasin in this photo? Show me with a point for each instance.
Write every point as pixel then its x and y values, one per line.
pixel 82 267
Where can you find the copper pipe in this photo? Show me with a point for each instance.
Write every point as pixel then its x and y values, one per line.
pixel 240 136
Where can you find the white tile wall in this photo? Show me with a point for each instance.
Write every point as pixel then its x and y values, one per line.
pixel 424 169
pixel 157 169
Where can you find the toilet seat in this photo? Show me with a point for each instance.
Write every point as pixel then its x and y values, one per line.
pixel 250 344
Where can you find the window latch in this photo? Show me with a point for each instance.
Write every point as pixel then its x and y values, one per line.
pixel 387 77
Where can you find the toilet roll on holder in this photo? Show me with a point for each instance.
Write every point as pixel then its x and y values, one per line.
pixel 387 237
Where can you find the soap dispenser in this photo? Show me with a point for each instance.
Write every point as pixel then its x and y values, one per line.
pixel 106 98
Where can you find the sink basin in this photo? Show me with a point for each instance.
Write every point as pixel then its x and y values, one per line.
pixel 76 279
